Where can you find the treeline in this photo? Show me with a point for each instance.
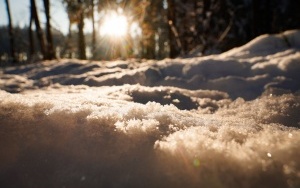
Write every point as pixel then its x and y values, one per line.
pixel 46 47
pixel 169 28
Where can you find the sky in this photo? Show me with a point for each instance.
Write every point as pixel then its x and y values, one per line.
pixel 20 13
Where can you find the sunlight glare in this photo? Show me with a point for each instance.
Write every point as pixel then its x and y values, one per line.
pixel 114 25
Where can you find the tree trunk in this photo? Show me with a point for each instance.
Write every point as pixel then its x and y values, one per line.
pixel 94 31
pixel 39 31
pixel 81 39
pixel 31 39
pixel 50 48
pixel 148 32
pixel 198 7
pixel 206 24
pixel 70 48
pixel 162 31
pixel 174 52
pixel 11 33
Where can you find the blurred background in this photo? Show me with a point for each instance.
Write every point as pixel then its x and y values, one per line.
pixel 33 30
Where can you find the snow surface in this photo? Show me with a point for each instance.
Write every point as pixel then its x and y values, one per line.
pixel 229 120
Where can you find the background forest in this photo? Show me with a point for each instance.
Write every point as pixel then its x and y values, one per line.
pixel 156 28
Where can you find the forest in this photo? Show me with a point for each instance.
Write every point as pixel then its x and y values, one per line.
pixel 155 29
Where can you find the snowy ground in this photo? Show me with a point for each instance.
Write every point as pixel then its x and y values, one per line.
pixel 230 120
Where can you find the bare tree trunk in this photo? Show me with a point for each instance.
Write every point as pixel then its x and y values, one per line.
pixel 162 31
pixel 39 31
pixel 31 40
pixel 174 52
pixel 197 8
pixel 94 31
pixel 206 9
pixel 261 17
pixel 81 39
pixel 50 48
pixel 70 48
pixel 11 33
pixel 148 32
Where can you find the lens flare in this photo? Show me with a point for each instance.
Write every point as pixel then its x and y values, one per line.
pixel 114 25
pixel 196 163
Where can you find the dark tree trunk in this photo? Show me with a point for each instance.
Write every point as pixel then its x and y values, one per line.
pixel 174 52
pixel 70 48
pixel 162 31
pixel 31 39
pixel 148 32
pixel 197 9
pixel 261 19
pixel 81 39
pixel 50 48
pixel 94 31
pixel 39 31
pixel 206 7
pixel 269 17
pixel 11 33
pixel 206 27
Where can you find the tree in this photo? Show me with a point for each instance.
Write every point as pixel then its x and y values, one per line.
pixel 173 34
pixel 11 32
pixel 135 11
pixel 184 27
pixel 31 38
pixel 22 42
pixel 50 49
pixel 161 26
pixel 38 28
pixel 75 10
pixel 94 29
pixel 148 32
pixel 80 25
pixel 69 47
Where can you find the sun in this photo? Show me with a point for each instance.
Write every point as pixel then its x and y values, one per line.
pixel 114 25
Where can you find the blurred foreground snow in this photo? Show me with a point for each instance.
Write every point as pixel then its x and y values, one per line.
pixel 229 120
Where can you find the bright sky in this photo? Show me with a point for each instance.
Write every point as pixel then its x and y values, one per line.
pixel 20 13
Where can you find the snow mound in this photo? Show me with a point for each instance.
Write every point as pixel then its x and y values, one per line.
pixel 91 137
pixel 267 44
pixel 269 61
pixel 228 120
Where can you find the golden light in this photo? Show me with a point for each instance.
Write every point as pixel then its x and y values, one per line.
pixel 114 25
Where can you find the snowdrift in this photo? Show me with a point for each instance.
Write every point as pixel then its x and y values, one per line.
pixel 229 120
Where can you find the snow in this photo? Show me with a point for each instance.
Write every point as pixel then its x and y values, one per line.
pixel 227 120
